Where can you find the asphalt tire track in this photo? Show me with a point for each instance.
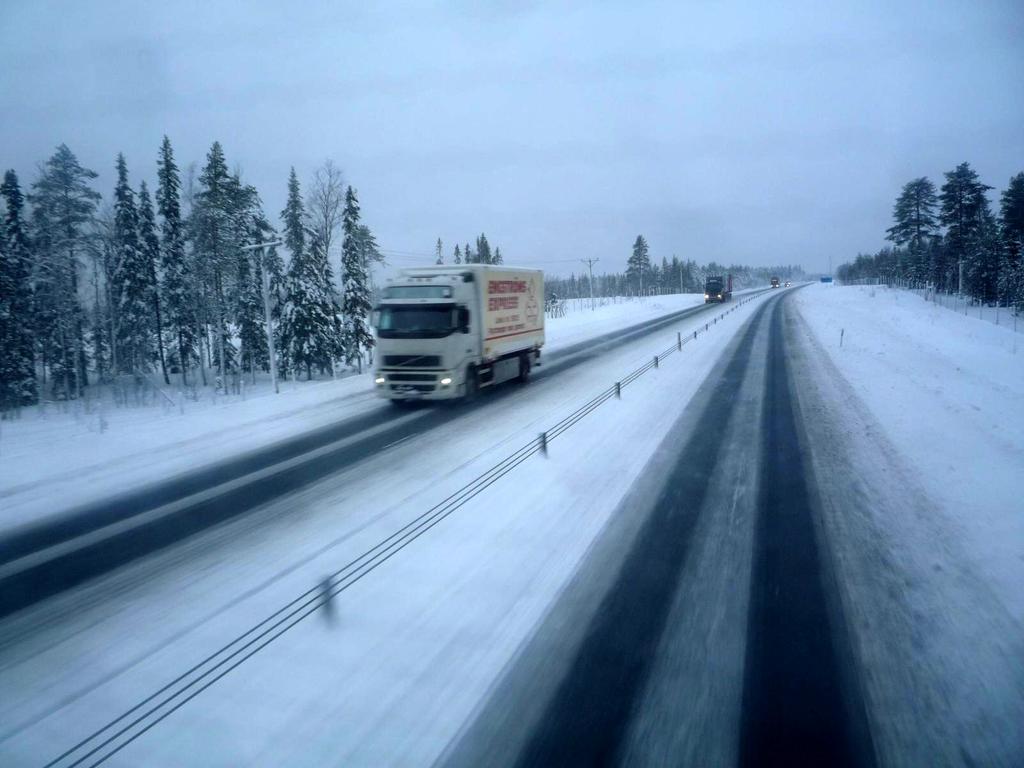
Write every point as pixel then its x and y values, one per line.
pixel 587 720
pixel 800 703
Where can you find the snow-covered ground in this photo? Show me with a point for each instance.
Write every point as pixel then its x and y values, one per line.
pixel 919 418
pixel 949 393
pixel 413 648
pixel 53 459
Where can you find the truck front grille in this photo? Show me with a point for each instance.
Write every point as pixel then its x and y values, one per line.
pixel 418 361
pixel 419 381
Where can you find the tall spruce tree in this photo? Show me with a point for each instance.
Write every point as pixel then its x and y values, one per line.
pixel 151 252
pixel 249 228
pixel 497 257
pixel 439 252
pixel 638 265
pixel 63 209
pixel 17 361
pixel 356 304
pixel 963 212
pixel 215 250
pixel 915 224
pixel 252 314
pixel 483 250
pixel 177 292
pixel 467 255
pixel 1011 222
pixel 311 330
pixel 131 279
pixel 457 258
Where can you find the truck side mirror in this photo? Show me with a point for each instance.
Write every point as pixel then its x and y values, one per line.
pixel 463 320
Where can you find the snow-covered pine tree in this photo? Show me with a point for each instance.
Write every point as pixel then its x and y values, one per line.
pixel 151 252
pixel 294 294
pixel 497 257
pixel 483 250
pixel 17 362
pixel 99 248
pixel 311 330
pixel 250 228
pixel 458 255
pixel 437 249
pixel 63 207
pixel 214 247
pixel 293 217
pixel 177 294
pixel 467 255
pixel 638 264
pixel 262 259
pixel 915 224
pixel 131 279
pixel 981 271
pixel 964 203
pixel 1011 221
pixel 310 319
pixel 356 304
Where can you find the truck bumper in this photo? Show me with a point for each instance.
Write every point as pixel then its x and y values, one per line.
pixel 406 384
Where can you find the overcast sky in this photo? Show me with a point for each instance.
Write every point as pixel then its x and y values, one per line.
pixel 735 132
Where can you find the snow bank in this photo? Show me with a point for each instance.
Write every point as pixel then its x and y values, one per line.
pixel 949 393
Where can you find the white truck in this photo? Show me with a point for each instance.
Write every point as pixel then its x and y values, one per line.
pixel 446 332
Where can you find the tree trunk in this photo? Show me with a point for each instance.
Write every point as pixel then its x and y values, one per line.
pixel 160 334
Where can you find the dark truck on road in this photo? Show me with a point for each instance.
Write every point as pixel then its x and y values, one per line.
pixel 717 288
pixel 775 282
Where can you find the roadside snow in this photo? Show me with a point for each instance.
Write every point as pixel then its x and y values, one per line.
pixel 949 393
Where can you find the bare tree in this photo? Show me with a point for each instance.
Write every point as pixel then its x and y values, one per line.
pixel 325 202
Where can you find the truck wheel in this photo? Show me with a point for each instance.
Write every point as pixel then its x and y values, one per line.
pixel 472 384
pixel 524 367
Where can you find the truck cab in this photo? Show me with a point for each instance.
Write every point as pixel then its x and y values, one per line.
pixel 775 282
pixel 717 288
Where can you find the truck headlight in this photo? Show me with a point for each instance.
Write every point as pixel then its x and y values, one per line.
pixel 379 381
pixel 446 381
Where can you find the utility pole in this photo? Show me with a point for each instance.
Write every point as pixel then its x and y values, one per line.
pixel 271 352
pixel 590 265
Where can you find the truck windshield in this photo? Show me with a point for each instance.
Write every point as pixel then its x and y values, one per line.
pixel 416 322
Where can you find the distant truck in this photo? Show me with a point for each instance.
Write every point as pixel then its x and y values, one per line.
pixel 775 282
pixel 717 288
pixel 449 331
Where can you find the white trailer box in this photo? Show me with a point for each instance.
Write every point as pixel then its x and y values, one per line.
pixel 513 309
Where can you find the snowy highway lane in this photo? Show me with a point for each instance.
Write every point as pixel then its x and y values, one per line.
pixel 126 634
pixel 733 564
pixel 58 552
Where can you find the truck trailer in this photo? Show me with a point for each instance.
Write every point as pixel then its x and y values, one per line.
pixel 447 332
pixel 717 288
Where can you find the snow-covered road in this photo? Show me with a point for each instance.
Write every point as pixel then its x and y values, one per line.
pixel 467 597
pixel 753 552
